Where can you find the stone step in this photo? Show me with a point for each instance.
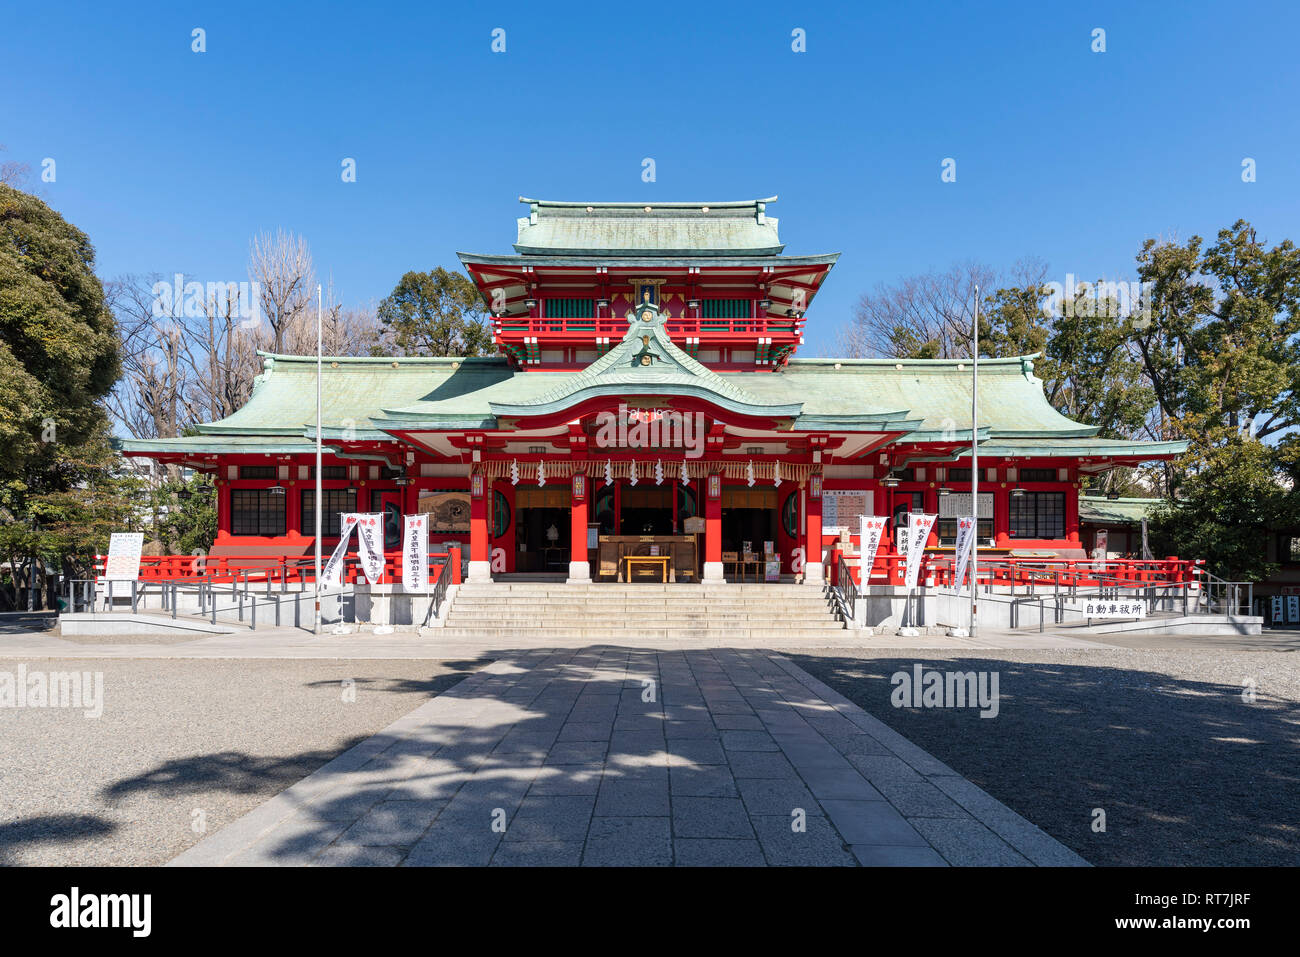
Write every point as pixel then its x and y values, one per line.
pixel 602 588
pixel 634 605
pixel 602 636
pixel 524 614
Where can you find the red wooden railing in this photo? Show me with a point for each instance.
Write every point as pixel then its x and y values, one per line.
pixel 1004 571
pixel 261 568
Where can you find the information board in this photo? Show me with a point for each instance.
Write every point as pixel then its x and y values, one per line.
pixel 841 509
pixel 123 563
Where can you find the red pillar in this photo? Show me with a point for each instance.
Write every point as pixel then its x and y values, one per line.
pixel 579 568
pixel 713 528
pixel 480 568
pixel 813 540
pixel 1072 514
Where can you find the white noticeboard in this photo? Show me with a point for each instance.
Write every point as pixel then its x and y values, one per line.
pixel 1293 607
pixel 841 509
pixel 123 563
pixel 1278 608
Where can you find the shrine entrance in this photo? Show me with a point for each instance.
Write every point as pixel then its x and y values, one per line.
pixel 542 529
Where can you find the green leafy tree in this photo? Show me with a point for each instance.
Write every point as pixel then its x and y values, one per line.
pixel 1223 358
pixel 187 514
pixel 58 360
pixel 1088 370
pixel 438 313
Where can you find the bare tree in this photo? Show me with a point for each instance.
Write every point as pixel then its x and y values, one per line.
pixel 927 314
pixel 281 265
pixel 155 398
pixel 344 331
pixel 14 173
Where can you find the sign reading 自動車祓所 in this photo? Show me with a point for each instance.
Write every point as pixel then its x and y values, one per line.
pixel 1110 608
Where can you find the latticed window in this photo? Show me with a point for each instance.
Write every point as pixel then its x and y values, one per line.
pixel 334 501
pixel 1038 515
pixel 724 308
pixel 257 471
pixel 570 308
pixel 957 505
pixel 1037 475
pixel 256 511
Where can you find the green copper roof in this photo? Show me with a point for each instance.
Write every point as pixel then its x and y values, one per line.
pixel 647 362
pixel 353 390
pixel 218 444
pixel 1123 511
pixel 928 399
pixel 648 229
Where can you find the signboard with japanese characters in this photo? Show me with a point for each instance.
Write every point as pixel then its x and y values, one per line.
pixel 842 508
pixel 1111 608
pixel 123 562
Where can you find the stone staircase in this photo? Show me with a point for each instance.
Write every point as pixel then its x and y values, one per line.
pixel 609 612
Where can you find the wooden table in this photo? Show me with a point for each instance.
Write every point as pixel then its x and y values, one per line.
pixel 662 561
pixel 740 563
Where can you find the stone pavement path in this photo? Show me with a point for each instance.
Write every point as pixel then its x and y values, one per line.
pixel 619 756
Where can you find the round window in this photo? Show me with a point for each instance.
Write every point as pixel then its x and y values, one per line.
pixel 790 515
pixel 500 513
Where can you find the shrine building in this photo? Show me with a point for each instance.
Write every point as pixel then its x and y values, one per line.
pixel 647 399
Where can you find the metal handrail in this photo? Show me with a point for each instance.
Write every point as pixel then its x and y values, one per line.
pixel 847 592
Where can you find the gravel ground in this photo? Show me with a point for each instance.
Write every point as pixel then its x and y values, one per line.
pixel 176 737
pixel 1185 770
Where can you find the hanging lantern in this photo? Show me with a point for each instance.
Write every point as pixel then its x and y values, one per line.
pixel 749 473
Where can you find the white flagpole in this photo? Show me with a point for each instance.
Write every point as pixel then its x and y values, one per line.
pixel 974 460
pixel 319 347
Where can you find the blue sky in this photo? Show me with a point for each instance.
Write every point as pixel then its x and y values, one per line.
pixel 172 160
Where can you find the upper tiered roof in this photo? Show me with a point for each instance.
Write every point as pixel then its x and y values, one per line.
pixel 728 229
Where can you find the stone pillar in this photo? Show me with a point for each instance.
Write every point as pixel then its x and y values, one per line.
pixel 480 567
pixel 713 528
pixel 813 573
pixel 579 566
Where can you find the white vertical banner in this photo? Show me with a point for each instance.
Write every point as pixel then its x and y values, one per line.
pixel 332 576
pixel 1278 613
pixel 918 530
pixel 871 529
pixel 370 526
pixel 1100 547
pixel 415 553
pixel 965 536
